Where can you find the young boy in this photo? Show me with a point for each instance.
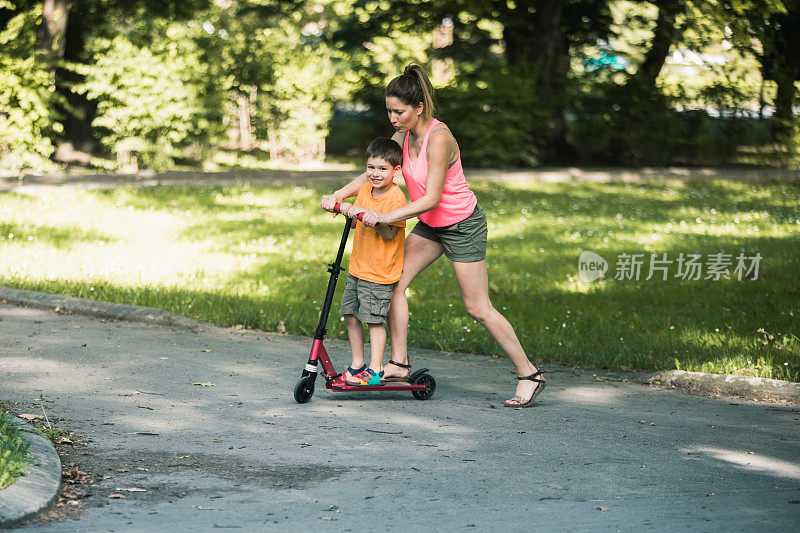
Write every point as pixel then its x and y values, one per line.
pixel 376 262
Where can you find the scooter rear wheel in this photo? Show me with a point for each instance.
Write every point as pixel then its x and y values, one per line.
pixel 304 389
pixel 430 386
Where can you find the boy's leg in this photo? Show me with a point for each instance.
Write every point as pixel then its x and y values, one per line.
pixel 377 343
pixel 355 333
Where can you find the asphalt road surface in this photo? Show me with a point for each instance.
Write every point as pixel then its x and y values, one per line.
pixel 199 431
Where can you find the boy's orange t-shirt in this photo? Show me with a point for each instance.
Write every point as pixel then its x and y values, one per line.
pixel 375 258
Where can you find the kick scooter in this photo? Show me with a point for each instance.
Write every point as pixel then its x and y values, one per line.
pixel 420 384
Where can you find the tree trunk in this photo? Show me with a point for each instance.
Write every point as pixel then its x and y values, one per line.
pixel 536 41
pixel 783 125
pixel 52 33
pixel 77 115
pixel 663 35
pixel 245 137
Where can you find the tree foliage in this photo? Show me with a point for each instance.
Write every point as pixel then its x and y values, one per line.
pixel 28 121
pixel 521 82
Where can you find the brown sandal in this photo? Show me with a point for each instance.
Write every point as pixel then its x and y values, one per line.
pixel 522 402
pixel 402 379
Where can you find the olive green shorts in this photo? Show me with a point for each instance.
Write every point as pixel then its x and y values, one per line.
pixel 366 300
pixel 463 242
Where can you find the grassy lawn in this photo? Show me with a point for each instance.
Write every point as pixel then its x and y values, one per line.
pixel 257 257
pixel 13 450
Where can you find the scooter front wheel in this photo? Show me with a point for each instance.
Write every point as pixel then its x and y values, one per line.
pixel 304 389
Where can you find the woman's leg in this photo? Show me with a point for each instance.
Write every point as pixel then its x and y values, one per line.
pixel 419 254
pixel 473 281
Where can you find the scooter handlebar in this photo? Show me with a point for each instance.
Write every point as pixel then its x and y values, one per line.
pixel 337 208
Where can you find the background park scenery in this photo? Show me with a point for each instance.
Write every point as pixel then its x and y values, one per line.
pixel 110 86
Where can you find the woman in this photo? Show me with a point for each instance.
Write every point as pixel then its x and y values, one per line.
pixel 450 222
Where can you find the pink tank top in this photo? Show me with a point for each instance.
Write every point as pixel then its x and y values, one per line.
pixel 457 201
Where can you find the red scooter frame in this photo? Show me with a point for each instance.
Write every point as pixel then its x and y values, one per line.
pixel 420 384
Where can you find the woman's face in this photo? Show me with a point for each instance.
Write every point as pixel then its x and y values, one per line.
pixel 403 117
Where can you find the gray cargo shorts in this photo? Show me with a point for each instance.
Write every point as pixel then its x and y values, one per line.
pixel 366 300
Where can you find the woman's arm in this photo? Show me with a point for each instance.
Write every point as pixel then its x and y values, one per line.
pixel 438 154
pixel 351 189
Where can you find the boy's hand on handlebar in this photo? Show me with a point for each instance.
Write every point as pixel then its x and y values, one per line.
pixel 328 202
pixel 345 209
pixel 372 219
pixel 354 211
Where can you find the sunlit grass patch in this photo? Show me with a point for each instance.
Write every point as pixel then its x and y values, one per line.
pixel 257 257
pixel 13 450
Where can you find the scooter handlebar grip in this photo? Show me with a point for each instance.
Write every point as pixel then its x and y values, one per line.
pixel 338 209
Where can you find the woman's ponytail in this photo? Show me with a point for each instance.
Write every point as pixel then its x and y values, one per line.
pixel 413 87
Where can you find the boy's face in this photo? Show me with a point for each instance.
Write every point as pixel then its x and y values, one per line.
pixel 380 172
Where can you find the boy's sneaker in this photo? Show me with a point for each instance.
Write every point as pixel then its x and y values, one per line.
pixel 342 379
pixel 367 377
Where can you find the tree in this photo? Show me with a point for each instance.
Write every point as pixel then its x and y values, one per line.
pixel 496 42
pixel 770 30
pixel 27 119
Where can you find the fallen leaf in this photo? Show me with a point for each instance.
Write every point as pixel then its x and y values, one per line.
pixel 30 418
pixel 73 473
pixel 601 508
pixel 204 384
pixel 207 351
pixel 116 496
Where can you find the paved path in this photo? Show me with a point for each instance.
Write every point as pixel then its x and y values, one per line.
pixel 337 177
pixel 595 453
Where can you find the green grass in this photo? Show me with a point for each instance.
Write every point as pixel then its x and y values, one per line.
pixel 257 257
pixel 13 450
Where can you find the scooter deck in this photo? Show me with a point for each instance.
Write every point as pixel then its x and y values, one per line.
pixel 387 387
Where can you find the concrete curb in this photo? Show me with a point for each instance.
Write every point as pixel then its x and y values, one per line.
pixel 108 310
pixel 728 385
pixel 37 489
pixel 695 382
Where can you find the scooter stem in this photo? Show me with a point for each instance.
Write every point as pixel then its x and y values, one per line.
pixel 334 268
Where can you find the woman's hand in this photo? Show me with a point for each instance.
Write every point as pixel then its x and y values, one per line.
pixel 372 219
pixel 328 203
